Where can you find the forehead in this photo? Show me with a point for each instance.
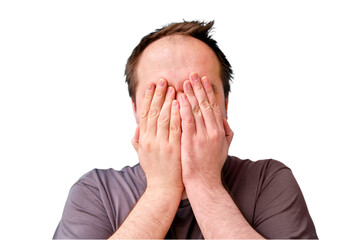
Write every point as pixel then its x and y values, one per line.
pixel 174 58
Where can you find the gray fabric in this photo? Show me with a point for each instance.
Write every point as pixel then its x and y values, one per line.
pixel 265 191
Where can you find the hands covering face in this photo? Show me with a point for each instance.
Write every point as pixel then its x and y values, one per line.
pixel 171 158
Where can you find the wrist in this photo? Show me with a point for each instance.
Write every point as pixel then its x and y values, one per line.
pixel 164 193
pixel 200 185
pixel 200 194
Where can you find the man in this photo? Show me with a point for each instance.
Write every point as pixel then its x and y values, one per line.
pixel 186 185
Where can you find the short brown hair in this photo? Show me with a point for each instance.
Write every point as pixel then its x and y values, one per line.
pixel 196 29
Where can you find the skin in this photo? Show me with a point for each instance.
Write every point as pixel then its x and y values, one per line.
pixel 182 140
pixel 174 58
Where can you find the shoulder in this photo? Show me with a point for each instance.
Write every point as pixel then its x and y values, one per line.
pixel 258 177
pixel 244 177
pixel 248 168
pixel 110 186
pixel 270 198
pixel 99 201
pixel 108 178
pixel 235 161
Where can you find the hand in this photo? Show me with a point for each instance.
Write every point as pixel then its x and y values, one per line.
pixel 157 138
pixel 206 135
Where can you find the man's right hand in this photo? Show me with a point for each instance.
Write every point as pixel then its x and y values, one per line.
pixel 157 142
pixel 157 139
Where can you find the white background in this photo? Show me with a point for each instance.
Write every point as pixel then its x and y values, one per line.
pixel 64 106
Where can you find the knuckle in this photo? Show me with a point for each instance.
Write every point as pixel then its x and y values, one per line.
pixel 153 113
pixel 145 145
pixel 190 155
pixel 159 93
pixel 169 150
pixel 163 119
pixel 198 86
pixel 148 95
pixel 215 135
pixel 201 141
pixel 144 113
pixel 188 119
pixel 205 104
pixel 174 128
pixel 196 110
pixel 215 107
pixel 147 98
pixel 190 93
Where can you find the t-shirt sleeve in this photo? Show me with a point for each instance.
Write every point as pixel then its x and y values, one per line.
pixel 281 211
pixel 84 215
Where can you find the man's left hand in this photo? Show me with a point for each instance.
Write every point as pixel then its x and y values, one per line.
pixel 206 135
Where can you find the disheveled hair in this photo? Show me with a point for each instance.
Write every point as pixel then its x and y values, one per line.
pixel 196 29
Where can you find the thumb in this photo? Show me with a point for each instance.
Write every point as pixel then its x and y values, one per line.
pixel 228 132
pixel 135 139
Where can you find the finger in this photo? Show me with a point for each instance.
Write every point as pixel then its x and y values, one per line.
pixel 229 134
pixel 203 101
pixel 164 117
pixel 187 117
pixel 135 139
pixel 195 109
pixel 155 107
pixel 175 129
pixel 212 100
pixel 146 107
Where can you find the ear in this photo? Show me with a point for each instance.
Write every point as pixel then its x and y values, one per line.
pixel 134 110
pixel 226 106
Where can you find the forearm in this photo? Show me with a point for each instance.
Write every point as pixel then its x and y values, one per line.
pixel 217 214
pixel 151 217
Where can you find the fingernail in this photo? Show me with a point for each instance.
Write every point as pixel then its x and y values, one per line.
pixel 188 85
pixel 194 77
pixel 150 86
pixel 169 91
pixel 206 81
pixel 174 103
pixel 161 82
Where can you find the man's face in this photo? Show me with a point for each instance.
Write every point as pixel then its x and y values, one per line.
pixel 174 58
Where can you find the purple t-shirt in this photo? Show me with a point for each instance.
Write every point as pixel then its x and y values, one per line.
pixel 265 191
